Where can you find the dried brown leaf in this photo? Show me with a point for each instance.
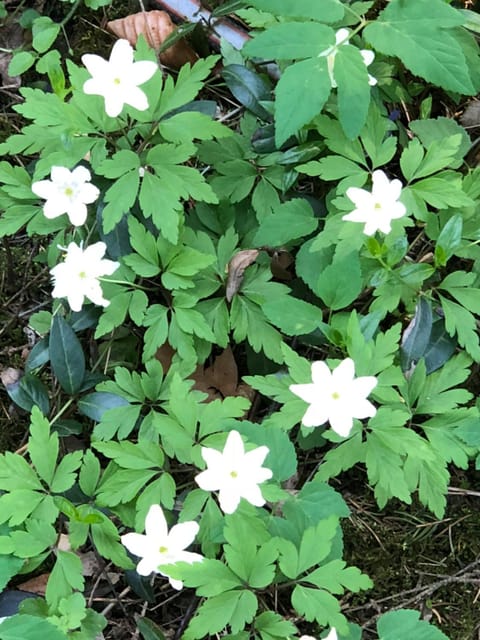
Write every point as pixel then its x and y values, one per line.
pixel 36 585
pixel 220 379
pixel 236 269
pixel 10 376
pixel 155 26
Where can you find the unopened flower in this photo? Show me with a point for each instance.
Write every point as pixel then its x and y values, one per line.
pixel 379 207
pixel 77 277
pixel 158 546
pixel 331 636
pixel 234 473
pixel 341 39
pixel 117 79
pixel 67 192
pixel 336 396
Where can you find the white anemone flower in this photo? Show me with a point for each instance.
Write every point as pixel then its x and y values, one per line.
pixel 234 473
pixel 341 39
pixel 332 635
pixel 67 192
pixel 379 207
pixel 117 79
pixel 336 396
pixel 158 546
pixel 77 277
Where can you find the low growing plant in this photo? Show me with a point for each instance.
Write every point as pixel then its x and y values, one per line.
pixel 162 230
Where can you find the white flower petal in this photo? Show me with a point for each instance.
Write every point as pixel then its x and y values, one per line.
pixel 229 500
pixel 183 534
pixel 307 392
pixel 134 542
pixel 155 523
pixel 368 56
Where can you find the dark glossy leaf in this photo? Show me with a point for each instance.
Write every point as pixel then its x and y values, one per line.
pixel 226 8
pixel 248 88
pixel 95 404
pixel 67 428
pixel 417 334
pixel 38 356
pixel 440 348
pixel 149 630
pixel 118 239
pixel 66 356
pixel 87 318
pixel 28 392
pixel 140 584
pixel 426 337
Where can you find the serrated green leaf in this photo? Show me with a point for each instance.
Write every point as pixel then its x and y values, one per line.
pixel 66 576
pixel 353 89
pixel 301 93
pixel 422 34
pixel 26 627
pixel 340 282
pixel 328 11
pixel 291 40
pixel 405 624
pixel 289 221
pixel 234 608
pixel 42 446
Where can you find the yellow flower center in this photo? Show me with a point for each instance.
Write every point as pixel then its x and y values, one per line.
pixel 233 474
pixel 335 395
pixel 82 275
pixel 377 205
pixel 117 81
pixel 68 192
pixel 163 549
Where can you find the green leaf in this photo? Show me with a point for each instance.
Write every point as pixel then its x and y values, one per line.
pixel 234 608
pixel 9 567
pixel 301 93
pixel 351 76
pixel 405 625
pixel 44 32
pixel 65 475
pixel 340 283
pixel 291 40
pixel 422 34
pixel 335 577
pixel 449 240
pixel 66 576
pixel 25 627
pixel 319 605
pixel 289 221
pixel 42 446
pixel 142 455
pixel 149 630
pixel 461 322
pixel 21 61
pixel 29 392
pixel 439 129
pixel 66 355
pixel 328 11
pixel 292 315
pixel 248 88
pixel 94 405
pixel 272 625
pixel 89 473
